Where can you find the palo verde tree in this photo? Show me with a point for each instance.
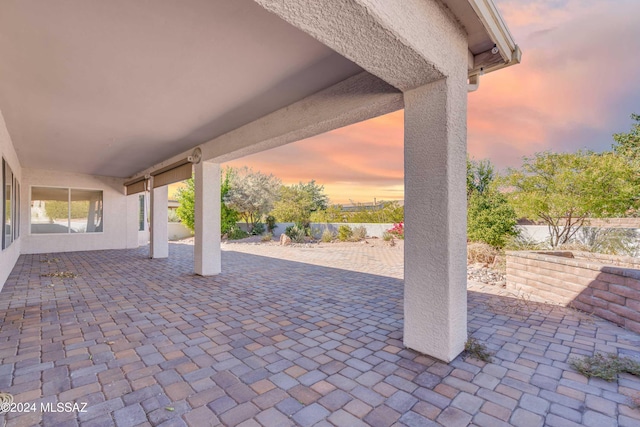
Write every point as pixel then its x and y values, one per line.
pixel 251 194
pixel 564 190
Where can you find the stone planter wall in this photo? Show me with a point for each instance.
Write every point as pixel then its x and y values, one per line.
pixel 604 285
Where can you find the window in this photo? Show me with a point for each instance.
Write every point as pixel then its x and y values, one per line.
pixel 11 205
pixel 65 210
pixel 141 213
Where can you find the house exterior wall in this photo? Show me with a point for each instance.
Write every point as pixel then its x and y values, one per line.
pixel 120 214
pixel 9 256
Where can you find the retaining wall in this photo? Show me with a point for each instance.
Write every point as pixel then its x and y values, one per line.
pixel 604 285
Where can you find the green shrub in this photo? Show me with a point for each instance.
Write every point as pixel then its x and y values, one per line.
pixel 271 223
pixel 327 236
pixel 267 237
pixel 236 233
pixel 490 219
pixel 296 233
pixel 386 236
pixel 258 229
pixel 344 233
pixel 173 216
pixel 359 233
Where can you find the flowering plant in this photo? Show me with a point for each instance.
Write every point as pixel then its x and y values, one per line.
pixel 397 230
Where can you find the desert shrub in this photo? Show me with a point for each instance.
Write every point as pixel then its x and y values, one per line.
pixel 611 241
pixel 490 219
pixel 271 223
pixel 481 253
pixel 386 236
pixel 296 233
pixel 477 350
pixel 267 237
pixel 172 216
pixel 523 242
pixel 397 230
pixel 236 233
pixel 344 233
pixel 359 233
pixel 327 236
pixel 257 229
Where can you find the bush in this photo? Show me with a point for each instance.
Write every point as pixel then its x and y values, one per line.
pixel 611 241
pixel 327 236
pixel 523 242
pixel 481 253
pixel 359 233
pixel 386 236
pixel 257 229
pixel 173 216
pixel 490 219
pixel 397 230
pixel 267 237
pixel 271 223
pixel 296 233
pixel 236 233
pixel 344 233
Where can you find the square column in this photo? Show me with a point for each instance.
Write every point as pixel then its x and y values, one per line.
pixel 207 255
pixel 435 255
pixel 159 232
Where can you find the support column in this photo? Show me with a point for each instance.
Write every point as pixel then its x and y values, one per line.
pixel 207 255
pixel 159 232
pixel 435 294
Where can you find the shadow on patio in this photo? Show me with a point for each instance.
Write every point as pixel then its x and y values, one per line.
pixel 274 342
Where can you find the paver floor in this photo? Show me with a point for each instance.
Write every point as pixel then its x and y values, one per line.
pixel 284 336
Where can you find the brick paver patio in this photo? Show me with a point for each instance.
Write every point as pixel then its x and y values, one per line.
pixel 284 336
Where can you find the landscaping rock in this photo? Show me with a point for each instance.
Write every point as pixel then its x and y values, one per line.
pixel 285 240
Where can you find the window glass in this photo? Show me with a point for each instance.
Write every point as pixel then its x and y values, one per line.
pixel 141 213
pixel 8 205
pixel 86 211
pixel 49 210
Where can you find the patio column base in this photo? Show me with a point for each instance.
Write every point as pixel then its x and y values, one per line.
pixel 435 294
pixel 207 254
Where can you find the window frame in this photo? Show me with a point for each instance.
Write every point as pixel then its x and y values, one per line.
pixel 69 189
pixel 14 200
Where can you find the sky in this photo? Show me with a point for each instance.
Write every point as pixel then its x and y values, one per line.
pixel 578 83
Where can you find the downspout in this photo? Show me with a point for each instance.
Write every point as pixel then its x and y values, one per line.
pixel 473 83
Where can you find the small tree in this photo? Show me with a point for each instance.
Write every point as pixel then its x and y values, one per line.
pixel 628 144
pixel 297 202
pixel 565 189
pixel 490 217
pixel 228 216
pixel 480 175
pixel 251 194
pixel 186 197
pixel 186 209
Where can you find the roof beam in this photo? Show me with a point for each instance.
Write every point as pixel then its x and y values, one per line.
pixel 404 43
pixel 355 99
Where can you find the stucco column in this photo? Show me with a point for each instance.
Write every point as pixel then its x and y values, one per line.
pixel 435 295
pixel 159 233
pixel 207 255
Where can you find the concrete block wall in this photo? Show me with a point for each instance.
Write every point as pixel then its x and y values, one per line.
pixel 582 281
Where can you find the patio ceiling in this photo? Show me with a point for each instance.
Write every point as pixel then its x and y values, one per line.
pixel 109 88
pixel 117 88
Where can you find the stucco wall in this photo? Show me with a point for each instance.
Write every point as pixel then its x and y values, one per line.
pixel 9 256
pixel 120 214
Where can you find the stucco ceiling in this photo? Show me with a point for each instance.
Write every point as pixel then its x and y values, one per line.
pixel 112 87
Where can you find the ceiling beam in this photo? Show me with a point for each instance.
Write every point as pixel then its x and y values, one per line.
pixel 355 99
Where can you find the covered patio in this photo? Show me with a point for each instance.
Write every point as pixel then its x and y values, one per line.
pixel 102 102
pixel 277 342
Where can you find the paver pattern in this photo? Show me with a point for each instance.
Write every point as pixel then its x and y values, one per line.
pixel 285 336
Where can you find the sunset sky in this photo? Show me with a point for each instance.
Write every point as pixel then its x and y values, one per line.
pixel 578 83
